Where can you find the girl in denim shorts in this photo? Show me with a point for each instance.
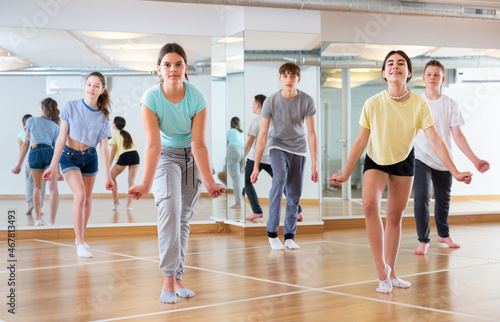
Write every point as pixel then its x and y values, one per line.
pixel 174 115
pixel 42 133
pixel 84 124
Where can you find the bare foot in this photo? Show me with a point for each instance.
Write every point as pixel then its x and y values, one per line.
pixel 254 216
pixel 448 241
pixel 300 216
pixel 421 249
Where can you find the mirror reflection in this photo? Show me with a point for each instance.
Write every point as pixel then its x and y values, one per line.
pixel 351 73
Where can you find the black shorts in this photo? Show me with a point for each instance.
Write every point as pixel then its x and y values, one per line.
pixel 128 158
pixel 405 168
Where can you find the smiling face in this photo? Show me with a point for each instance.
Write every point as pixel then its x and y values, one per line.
pixel 172 68
pixel 289 81
pixel 396 69
pixel 93 88
pixel 433 77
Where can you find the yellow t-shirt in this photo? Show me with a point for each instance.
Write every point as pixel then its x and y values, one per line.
pixel 117 139
pixel 393 126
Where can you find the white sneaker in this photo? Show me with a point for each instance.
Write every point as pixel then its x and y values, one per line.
pixel 38 222
pixel 115 206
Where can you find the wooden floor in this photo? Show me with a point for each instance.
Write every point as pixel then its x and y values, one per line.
pixel 331 278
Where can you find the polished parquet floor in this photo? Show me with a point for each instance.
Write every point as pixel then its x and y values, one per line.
pixel 331 278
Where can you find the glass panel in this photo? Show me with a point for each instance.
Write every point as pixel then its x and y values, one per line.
pixel 331 125
pixel 218 107
pixel 235 120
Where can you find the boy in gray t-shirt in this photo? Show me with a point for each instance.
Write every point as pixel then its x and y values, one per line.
pixel 286 110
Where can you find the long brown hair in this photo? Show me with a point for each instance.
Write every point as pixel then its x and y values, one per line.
pixel 235 124
pixel 172 48
pixel 127 138
pixel 50 109
pixel 103 101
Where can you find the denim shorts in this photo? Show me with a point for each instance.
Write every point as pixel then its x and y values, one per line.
pixel 40 157
pixel 405 168
pixel 83 161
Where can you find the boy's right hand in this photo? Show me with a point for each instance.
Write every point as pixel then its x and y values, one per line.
pixel 338 179
pixel 254 175
pixel 465 177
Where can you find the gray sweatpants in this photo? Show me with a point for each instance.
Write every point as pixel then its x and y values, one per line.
pixel 176 189
pixel 288 171
pixel 236 165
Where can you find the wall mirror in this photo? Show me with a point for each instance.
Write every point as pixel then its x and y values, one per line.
pixel 351 73
pixel 53 63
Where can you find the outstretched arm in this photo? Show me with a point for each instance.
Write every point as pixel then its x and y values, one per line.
pixel 463 145
pixel 356 151
pixel 441 151
pixel 313 146
pixel 249 143
pixel 58 149
pixel 151 155
pixel 22 153
pixel 259 148
pixel 200 153
pixel 112 153
pixel 105 164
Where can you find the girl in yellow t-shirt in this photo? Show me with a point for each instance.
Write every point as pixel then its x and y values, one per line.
pixel 388 125
pixel 124 152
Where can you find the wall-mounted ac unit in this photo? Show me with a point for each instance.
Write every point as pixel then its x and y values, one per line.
pixel 477 75
pixel 54 84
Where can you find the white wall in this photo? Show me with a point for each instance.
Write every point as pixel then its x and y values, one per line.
pixel 23 94
pixel 479 104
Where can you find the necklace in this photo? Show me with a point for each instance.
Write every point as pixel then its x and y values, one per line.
pixel 397 97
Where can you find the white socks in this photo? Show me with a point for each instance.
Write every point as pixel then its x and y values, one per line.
pixel 115 206
pixel 38 222
pixel 290 244
pixel 82 251
pixel 397 282
pixel 385 286
pixel 276 243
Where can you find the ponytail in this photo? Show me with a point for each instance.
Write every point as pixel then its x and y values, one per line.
pixel 235 124
pixel 127 138
pixel 50 109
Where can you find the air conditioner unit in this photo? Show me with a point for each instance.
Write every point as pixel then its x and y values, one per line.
pixel 477 75
pixel 54 84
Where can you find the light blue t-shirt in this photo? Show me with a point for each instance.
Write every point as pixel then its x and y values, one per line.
pixel 21 135
pixel 42 130
pixel 175 119
pixel 86 125
pixel 235 137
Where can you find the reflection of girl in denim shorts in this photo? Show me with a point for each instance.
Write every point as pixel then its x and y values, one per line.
pixel 84 125
pixel 41 133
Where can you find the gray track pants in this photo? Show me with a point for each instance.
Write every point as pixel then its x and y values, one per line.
pixel 176 189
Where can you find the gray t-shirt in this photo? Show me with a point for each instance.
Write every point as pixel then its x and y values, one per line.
pixel 254 130
pixel 287 121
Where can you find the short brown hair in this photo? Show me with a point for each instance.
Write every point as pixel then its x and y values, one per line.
pixel 436 63
pixel 291 68
pixel 260 99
